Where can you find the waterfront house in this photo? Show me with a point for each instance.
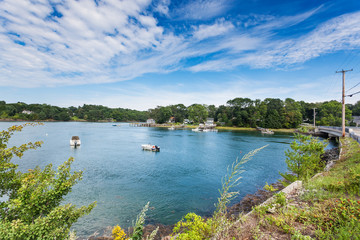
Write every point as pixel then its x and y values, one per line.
pixel 27 112
pixel 210 123
pixel 172 120
pixel 150 121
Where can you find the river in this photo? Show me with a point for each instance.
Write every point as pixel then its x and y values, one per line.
pixel 183 177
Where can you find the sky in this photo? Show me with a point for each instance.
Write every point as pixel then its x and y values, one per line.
pixel 140 54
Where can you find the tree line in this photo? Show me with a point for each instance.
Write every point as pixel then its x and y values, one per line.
pixel 91 113
pixel 238 112
pixel 269 113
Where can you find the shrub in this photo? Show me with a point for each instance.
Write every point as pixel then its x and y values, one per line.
pixel 32 207
pixel 304 159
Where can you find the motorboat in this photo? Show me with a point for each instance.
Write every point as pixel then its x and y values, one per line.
pixel 266 131
pixel 75 141
pixel 171 128
pixel 150 147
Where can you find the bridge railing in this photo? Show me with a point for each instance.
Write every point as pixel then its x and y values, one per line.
pixel 354 132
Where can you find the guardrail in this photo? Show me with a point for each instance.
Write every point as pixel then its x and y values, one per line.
pixel 349 130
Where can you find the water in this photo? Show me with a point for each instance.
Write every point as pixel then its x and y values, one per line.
pixel 183 177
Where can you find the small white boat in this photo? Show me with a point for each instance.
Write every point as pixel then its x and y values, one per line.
pixel 196 130
pixel 75 141
pixel 171 128
pixel 266 131
pixel 150 147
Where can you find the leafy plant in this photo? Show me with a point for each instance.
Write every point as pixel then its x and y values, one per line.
pixel 304 158
pixel 32 207
pixel 118 233
pixel 193 227
pixel 270 188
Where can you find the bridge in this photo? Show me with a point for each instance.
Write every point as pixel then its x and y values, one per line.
pixel 353 132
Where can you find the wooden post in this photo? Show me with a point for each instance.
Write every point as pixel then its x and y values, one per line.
pixel 343 99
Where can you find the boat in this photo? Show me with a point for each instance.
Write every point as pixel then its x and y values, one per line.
pixel 75 141
pixel 171 128
pixel 197 129
pixel 266 131
pixel 150 147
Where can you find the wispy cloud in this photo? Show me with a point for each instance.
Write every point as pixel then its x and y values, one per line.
pixel 220 27
pixel 48 43
pixel 202 9
pixel 339 33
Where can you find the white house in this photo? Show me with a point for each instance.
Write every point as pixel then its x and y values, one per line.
pixel 210 122
pixel 27 112
pixel 150 121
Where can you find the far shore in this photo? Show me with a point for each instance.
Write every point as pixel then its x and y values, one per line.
pixel 284 130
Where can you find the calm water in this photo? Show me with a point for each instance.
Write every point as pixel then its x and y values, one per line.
pixel 184 177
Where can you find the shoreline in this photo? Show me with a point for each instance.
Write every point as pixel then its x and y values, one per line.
pixel 178 127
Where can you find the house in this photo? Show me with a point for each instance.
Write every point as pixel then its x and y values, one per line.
pixel 150 121
pixel 210 122
pixel 187 121
pixel 27 112
pixel 172 120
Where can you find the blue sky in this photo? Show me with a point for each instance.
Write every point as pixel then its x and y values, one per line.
pixel 140 53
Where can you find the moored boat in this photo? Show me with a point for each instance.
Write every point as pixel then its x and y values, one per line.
pixel 150 147
pixel 75 141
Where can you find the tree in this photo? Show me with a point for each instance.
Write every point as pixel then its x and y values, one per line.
pixel 161 114
pixel 197 113
pixel 293 116
pixel 304 160
pixel 331 113
pixel 30 201
pixel 275 113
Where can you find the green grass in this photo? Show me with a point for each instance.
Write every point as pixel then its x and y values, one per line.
pixel 327 208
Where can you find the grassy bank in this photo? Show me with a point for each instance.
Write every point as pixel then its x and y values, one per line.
pixel 327 207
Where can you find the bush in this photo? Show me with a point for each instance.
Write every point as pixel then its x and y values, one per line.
pixel 32 207
pixel 304 159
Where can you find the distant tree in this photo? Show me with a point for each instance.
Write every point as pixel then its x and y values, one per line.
pixel 179 112
pixel 356 109
pixel 275 113
pixel 330 114
pixel 197 113
pixel 293 116
pixel 161 114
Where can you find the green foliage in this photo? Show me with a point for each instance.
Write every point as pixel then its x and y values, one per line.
pixel 304 157
pixel 86 112
pixel 330 113
pixel 339 219
pixel 197 113
pixel 270 188
pixel 32 207
pixel 193 227
pixel 345 178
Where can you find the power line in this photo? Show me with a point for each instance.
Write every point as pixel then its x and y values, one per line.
pixel 350 95
pixel 353 87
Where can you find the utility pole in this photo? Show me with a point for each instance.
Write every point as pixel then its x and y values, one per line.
pixel 343 99
pixel 314 117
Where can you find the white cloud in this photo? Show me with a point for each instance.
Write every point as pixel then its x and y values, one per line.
pixel 268 51
pixel 202 9
pixel 220 27
pixel 120 40
pixel 163 7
